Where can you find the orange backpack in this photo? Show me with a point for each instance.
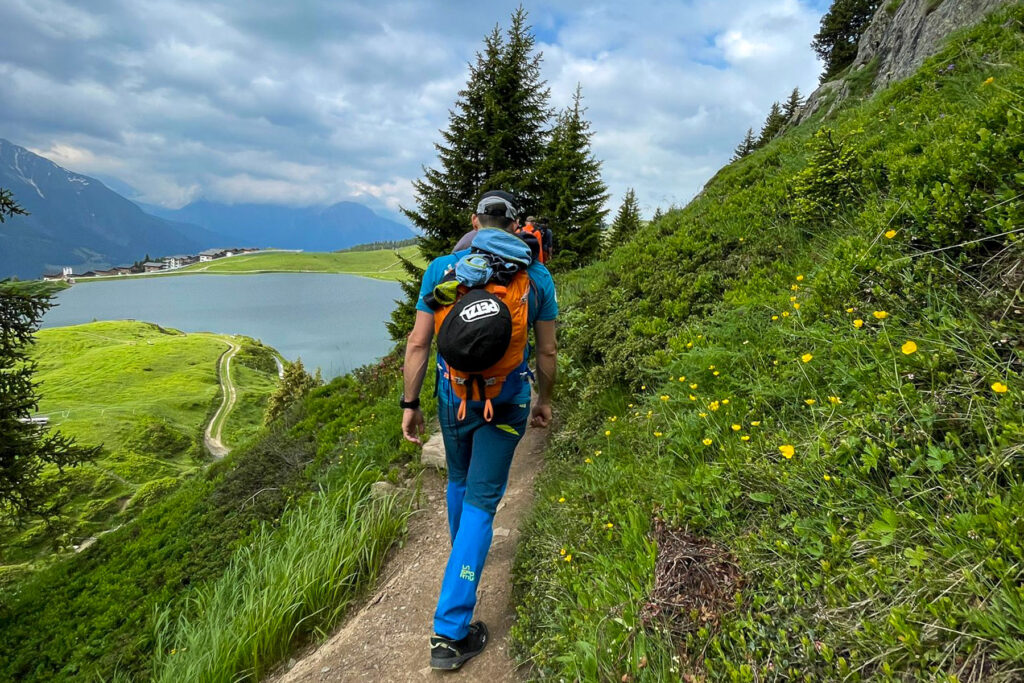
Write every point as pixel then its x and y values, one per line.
pixel 487 384
pixel 533 231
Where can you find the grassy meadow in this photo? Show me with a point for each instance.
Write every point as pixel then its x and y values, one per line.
pixel 145 393
pixel 792 439
pixel 277 538
pixel 381 264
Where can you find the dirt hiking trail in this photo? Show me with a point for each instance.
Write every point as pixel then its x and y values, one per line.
pixel 387 638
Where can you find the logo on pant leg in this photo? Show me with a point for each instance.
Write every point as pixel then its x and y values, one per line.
pixel 467 573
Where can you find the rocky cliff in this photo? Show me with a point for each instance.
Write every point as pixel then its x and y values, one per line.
pixel 902 34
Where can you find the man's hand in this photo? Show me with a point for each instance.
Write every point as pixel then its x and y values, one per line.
pixel 541 415
pixel 412 425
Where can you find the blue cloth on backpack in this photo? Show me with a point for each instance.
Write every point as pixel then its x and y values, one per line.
pixel 504 244
pixel 474 270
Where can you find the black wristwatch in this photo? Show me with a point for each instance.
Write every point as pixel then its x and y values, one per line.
pixel 413 404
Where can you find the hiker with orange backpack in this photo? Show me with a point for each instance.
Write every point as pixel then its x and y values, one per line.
pixel 481 303
pixel 537 235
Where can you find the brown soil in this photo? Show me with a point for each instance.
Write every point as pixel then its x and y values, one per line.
pixel 387 639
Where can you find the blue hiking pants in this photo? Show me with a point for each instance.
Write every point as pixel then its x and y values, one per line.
pixel 479 456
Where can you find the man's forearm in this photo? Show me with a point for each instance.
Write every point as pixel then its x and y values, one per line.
pixel 547 364
pixel 416 357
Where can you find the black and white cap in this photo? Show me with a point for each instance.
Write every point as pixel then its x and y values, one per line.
pixel 498 203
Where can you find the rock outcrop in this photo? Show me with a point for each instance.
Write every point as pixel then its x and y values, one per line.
pixel 904 33
pixel 901 36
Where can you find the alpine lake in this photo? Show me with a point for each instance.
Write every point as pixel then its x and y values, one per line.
pixel 334 322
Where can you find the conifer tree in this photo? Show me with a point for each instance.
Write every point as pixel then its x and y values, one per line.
pixel 572 194
pixel 295 383
pixel 840 32
pixel 772 125
pixel 627 221
pixel 495 140
pixel 659 214
pixel 748 145
pixel 792 105
pixel 26 448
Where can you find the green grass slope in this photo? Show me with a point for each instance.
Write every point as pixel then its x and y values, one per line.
pixel 145 393
pixel 381 264
pixel 220 576
pixel 793 430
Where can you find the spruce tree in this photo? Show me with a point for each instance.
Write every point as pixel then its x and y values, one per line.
pixel 26 449
pixel 495 140
pixel 792 105
pixel 772 125
pixel 658 215
pixel 627 221
pixel 840 32
pixel 748 145
pixel 572 194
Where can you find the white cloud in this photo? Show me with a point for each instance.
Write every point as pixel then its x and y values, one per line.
pixel 317 101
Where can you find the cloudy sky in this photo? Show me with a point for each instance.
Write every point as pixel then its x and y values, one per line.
pixel 315 101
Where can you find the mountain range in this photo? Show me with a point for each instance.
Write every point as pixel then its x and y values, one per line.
pixel 314 228
pixel 75 220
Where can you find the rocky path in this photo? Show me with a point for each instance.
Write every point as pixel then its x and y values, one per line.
pixel 387 639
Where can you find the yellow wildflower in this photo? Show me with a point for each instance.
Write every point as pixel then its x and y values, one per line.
pixel 806 358
pixel 827 478
pixel 889 234
pixel 683 378
pixel 598 452
pixel 799 278
pixel 568 558
pixel 785 314
pixel 881 315
pixel 607 432
pixel 657 434
pixel 707 442
pixel 613 418
pixel 908 348
pixel 775 317
pixel 810 401
pixel 737 428
pixel 664 397
pixel 713 405
pixel 725 401
pixel 792 298
pixel 989 80
pixel 755 423
pixel 794 287
pixel 715 373
pixel 796 306
pixel 562 552
pixel 693 385
pixel 775 362
pixel 689 345
pixel 745 437
pixel 849 310
pixel 858 323
pixel 643 387
pixel 711 367
pixel 1000 388
pixel 588 461
pixel 562 499
pixel 702 414
pixel 834 400
pixel 787 451
pixel 692 397
pixel 609 525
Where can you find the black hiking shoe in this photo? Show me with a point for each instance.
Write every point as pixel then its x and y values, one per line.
pixel 448 655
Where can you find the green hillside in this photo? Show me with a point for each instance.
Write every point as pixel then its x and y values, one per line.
pixel 792 418
pixel 382 264
pixel 145 393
